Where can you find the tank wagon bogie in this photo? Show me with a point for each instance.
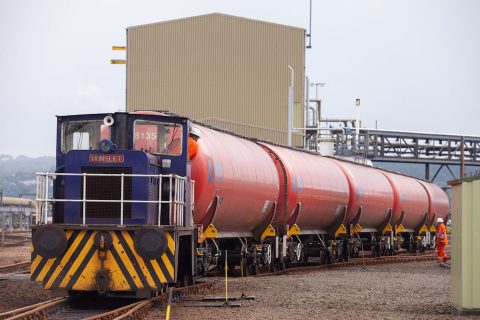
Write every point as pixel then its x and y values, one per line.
pixel 144 200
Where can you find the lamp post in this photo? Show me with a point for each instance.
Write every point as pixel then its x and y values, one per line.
pixel 319 103
pixel 316 85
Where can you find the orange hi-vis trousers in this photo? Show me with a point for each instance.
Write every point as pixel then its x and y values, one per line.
pixel 441 255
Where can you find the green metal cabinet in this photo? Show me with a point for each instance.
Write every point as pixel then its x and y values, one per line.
pixel 465 274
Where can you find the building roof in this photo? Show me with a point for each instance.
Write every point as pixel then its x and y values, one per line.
pixel 215 15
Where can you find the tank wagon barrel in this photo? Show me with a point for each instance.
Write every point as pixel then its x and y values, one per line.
pixel 236 185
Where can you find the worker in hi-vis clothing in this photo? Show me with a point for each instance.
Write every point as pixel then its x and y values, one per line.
pixel 192 143
pixel 442 240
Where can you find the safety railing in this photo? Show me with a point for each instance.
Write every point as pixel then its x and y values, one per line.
pixel 176 199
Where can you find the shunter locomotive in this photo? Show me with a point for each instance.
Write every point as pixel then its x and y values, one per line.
pixel 131 213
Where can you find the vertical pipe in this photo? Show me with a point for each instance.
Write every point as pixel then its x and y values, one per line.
pixel 462 157
pixel 122 185
pixel 310 28
pixel 305 111
pixel 427 171
pixel 84 218
pixel 290 105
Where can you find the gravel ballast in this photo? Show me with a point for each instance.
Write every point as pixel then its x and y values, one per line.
pixel 419 290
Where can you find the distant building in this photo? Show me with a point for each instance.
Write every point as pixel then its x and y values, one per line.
pixel 227 71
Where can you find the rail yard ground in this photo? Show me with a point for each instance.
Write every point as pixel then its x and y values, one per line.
pixel 14 254
pixel 419 290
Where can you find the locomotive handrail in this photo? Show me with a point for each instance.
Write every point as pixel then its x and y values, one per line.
pixel 112 175
pixel 176 197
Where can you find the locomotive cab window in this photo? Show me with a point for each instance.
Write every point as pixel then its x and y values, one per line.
pixel 157 137
pixel 83 135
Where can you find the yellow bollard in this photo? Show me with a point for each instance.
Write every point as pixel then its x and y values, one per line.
pixel 241 271
pixel 169 302
pixel 226 278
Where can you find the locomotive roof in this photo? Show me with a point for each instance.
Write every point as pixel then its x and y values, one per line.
pixel 152 113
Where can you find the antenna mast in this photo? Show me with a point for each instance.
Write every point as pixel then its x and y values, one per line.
pixel 309 34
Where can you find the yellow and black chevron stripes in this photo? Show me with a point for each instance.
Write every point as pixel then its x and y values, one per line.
pixel 78 267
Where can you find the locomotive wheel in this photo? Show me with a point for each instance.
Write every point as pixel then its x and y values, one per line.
pixel 252 263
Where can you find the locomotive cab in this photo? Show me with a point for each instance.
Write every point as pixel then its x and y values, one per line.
pixel 121 210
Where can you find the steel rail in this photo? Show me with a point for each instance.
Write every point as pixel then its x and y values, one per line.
pixel 14 266
pixel 136 310
pixel 35 311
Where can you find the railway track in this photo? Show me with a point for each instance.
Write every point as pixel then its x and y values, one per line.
pixel 14 240
pixel 76 308
pixel 307 267
pixel 98 309
pixel 21 266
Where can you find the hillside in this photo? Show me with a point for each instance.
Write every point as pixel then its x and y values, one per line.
pixel 17 174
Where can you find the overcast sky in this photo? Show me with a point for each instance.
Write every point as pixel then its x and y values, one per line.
pixel 415 64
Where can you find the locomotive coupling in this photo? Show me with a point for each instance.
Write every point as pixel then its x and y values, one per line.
pixel 49 241
pixel 102 242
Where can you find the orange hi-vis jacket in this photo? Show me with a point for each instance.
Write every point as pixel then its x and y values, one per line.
pixel 442 234
pixel 192 148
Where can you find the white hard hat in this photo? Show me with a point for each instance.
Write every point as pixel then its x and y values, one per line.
pixel 439 220
pixel 195 132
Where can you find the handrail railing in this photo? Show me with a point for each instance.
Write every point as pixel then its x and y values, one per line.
pixel 175 201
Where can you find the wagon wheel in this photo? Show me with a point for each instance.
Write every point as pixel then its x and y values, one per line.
pixel 346 250
pixel 267 256
pixel 323 259
pixel 245 266
pixel 328 257
pixel 254 263
pixel 374 251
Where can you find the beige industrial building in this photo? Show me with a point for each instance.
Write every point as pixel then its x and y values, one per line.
pixel 227 71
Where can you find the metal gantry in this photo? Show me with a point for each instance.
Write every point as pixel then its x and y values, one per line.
pixel 444 150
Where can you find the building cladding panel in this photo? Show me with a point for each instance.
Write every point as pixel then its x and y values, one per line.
pixel 227 71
